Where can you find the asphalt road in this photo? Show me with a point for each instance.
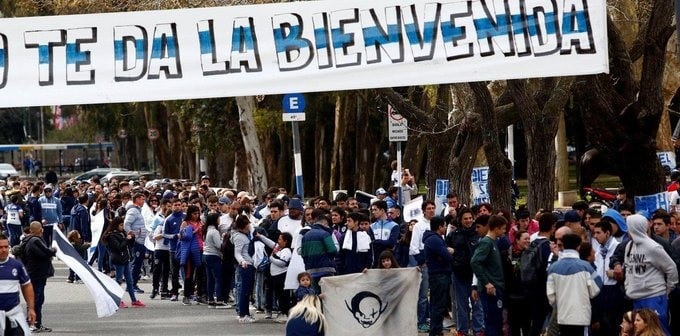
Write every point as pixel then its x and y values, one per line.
pixel 69 310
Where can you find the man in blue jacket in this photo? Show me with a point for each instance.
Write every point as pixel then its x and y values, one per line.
pixel 50 207
pixel 171 233
pixel 439 259
pixel 385 231
pixel 80 219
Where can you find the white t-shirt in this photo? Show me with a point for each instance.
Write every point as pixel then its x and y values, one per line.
pixel 161 245
pixel 287 224
pixel 225 223
pixel 417 236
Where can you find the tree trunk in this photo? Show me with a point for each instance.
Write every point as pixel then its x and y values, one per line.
pixel 246 107
pixel 500 168
pixel 562 161
pixel 347 152
pixel 338 134
pixel 171 167
pixel 540 126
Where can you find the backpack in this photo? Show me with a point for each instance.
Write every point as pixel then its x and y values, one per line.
pixel 19 251
pixel 264 264
pixel 227 248
pixel 531 262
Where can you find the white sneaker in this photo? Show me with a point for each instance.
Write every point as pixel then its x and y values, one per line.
pixel 282 318
pixel 246 319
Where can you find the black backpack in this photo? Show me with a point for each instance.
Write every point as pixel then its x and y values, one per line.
pixel 19 251
pixel 228 248
pixel 531 262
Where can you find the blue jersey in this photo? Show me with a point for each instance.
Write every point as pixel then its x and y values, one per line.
pixel 13 214
pixel 13 275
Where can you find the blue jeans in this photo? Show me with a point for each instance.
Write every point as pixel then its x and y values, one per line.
pixel 493 311
pixel 463 300
pixel 423 304
pixel 260 299
pixel 129 285
pixel 439 288
pixel 138 253
pixel 247 281
pixel 15 232
pixel 213 270
pixel 658 304
pixel 103 258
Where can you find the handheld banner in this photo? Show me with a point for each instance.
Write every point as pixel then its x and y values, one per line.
pixel 294 47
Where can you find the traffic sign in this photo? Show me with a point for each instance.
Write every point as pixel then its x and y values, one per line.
pixel 294 107
pixel 122 133
pixel 153 134
pixel 397 125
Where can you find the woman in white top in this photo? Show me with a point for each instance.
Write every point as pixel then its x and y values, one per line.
pixel 280 259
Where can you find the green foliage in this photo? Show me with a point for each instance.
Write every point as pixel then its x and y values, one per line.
pixel 12 125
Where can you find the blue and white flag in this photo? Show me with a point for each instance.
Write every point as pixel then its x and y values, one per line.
pixel 106 292
pixel 97 228
pixel 376 302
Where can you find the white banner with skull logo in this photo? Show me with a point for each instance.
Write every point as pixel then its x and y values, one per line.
pixel 378 302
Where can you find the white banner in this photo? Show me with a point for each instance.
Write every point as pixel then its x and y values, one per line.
pixel 294 47
pixel 480 185
pixel 413 209
pixel 377 302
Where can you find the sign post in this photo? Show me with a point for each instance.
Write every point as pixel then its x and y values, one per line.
pixel 294 111
pixel 397 127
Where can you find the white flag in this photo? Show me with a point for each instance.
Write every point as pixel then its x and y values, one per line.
pixel 413 209
pixel 377 302
pixel 97 227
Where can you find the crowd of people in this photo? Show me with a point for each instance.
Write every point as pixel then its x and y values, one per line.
pixel 487 271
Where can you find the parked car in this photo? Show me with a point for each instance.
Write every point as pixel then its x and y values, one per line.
pixel 7 170
pixel 101 172
pixel 129 175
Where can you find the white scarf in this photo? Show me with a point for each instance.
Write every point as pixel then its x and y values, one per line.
pixel 363 241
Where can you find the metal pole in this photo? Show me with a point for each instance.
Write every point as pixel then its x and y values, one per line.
pixel 511 148
pixel 297 158
pixel 153 149
pixel 198 158
pixel 400 201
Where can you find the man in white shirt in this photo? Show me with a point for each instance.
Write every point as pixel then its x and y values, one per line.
pixel 416 258
pixel 607 308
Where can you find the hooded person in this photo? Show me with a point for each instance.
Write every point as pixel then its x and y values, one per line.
pixel 650 271
pixel 620 228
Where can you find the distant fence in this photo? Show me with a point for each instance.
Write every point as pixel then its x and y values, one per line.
pixel 60 157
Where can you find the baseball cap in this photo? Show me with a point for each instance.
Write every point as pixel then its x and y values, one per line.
pixel 296 203
pixel 49 186
pixel 380 191
pixel 224 200
pixel 205 177
pixel 572 216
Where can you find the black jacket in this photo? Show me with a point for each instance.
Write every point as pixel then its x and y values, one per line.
pixel 119 248
pixel 463 241
pixel 38 258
